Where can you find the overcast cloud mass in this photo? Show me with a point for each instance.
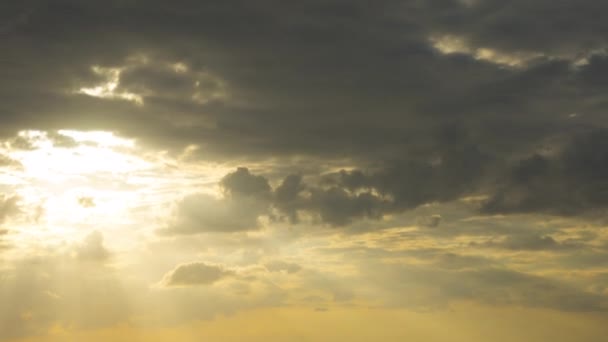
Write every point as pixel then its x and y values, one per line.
pixel 316 170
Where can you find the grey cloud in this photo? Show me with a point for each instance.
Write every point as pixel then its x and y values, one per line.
pixel 241 183
pixel 537 184
pixel 319 81
pixel 246 198
pixel 531 242
pixel 569 183
pixel 287 196
pixel 432 221
pixel 204 213
pixel 393 187
pixel 61 140
pixel 337 207
pixel 194 274
pixel 565 29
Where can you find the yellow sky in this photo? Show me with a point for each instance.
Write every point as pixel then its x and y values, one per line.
pixel 463 323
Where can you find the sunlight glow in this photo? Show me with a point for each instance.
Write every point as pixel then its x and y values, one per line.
pixel 72 182
pixel 108 89
pixel 450 44
pixel 94 153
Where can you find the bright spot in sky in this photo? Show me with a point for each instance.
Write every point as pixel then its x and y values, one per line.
pixel 108 89
pixel 74 182
pixel 450 44
pixel 91 153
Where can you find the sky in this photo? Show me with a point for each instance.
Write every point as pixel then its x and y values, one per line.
pixel 317 170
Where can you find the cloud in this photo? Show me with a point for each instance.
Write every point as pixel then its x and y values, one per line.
pixel 369 86
pixel 60 140
pixel 517 28
pixel 86 202
pixel 531 242
pixel 287 196
pixel 9 205
pixel 241 183
pixel 246 197
pixel 418 124
pixel 432 221
pixel 281 266
pixel 92 248
pixel 201 213
pixel 571 182
pixel 6 161
pixel 195 274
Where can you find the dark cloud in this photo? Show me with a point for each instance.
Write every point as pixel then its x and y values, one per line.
pixel 572 182
pixel 287 196
pixel 3 245
pixel 323 81
pixel 566 27
pixel 242 183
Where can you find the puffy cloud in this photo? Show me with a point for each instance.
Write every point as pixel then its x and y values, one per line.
pixel 92 248
pixel 287 196
pixel 246 198
pixel 241 183
pixel 204 213
pixel 194 274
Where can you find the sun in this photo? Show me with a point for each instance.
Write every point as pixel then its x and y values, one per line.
pixel 71 182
